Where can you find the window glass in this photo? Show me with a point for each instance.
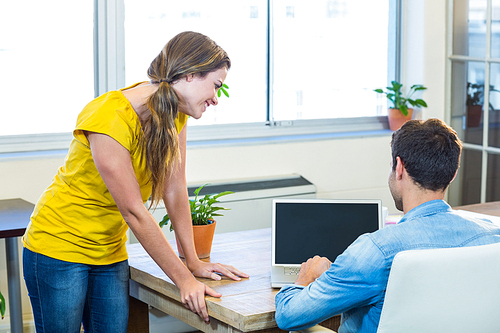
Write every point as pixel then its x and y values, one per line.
pixel 467 100
pixel 46 64
pixel 328 57
pixel 493 179
pixel 470 28
pixel 324 60
pixel 475 99
pixel 469 178
pixel 495 29
pixel 475 102
pixel 459 98
pixel 239 27
pixel 494 106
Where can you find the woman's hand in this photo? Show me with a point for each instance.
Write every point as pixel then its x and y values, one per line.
pixel 193 297
pixel 209 270
pixel 193 292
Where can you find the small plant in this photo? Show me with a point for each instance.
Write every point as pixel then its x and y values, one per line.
pixel 2 305
pixel 202 210
pixel 223 89
pixel 475 94
pixel 400 102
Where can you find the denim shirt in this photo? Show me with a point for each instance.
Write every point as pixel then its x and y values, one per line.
pixel 355 283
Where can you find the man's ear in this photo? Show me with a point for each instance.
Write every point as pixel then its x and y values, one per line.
pixel 456 173
pixel 400 168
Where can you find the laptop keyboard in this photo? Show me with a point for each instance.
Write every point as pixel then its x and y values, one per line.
pixel 292 270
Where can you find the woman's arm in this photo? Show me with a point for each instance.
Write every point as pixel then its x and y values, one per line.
pixel 115 167
pixel 176 202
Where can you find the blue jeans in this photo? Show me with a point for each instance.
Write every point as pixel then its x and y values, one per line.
pixel 64 295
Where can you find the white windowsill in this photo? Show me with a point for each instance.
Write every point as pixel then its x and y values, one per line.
pixel 56 145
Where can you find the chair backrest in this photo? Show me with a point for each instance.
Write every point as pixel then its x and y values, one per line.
pixel 443 290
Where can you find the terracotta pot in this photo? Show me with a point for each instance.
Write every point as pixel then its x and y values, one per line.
pixel 474 113
pixel 397 119
pixel 203 236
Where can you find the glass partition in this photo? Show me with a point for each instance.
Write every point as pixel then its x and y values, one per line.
pixel 469 27
pixel 494 106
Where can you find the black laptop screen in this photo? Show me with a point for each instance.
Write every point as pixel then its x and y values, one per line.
pixel 306 229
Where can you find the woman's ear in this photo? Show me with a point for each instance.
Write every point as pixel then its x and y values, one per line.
pixel 189 77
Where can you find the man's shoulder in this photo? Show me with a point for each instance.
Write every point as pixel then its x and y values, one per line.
pixel 444 228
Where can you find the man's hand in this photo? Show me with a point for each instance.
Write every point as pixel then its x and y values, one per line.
pixel 312 269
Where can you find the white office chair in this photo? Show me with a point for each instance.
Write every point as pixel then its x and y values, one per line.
pixel 315 329
pixel 443 290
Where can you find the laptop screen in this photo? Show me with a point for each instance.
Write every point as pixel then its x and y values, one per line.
pixel 303 228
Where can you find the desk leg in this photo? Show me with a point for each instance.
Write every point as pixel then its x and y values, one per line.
pixel 14 288
pixel 138 316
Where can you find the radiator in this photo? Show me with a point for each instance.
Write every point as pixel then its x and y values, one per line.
pixel 250 205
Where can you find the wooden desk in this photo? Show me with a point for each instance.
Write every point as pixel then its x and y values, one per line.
pixel 14 218
pixel 489 208
pixel 245 306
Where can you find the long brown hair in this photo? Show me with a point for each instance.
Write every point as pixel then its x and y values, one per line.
pixel 187 53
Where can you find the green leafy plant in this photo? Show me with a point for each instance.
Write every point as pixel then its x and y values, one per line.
pixel 475 94
pixel 222 89
pixel 203 209
pixel 2 305
pixel 398 98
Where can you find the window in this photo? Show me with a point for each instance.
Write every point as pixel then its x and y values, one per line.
pixel 46 64
pixel 322 59
pixel 475 99
pixel 293 62
pixel 150 24
pixel 327 61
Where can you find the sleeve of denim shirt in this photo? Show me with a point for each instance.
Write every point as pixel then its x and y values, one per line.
pixel 358 277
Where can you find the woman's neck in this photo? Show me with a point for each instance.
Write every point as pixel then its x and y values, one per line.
pixel 138 97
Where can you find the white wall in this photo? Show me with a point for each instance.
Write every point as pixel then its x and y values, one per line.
pixel 424 54
pixel 340 168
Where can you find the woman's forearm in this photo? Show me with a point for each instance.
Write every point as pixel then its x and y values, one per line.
pixel 149 234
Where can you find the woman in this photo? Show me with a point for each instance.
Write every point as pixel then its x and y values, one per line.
pixel 128 146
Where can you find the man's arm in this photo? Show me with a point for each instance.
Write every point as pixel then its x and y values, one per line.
pixel 357 278
pixel 312 269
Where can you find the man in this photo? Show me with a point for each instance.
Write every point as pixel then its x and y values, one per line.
pixel 425 159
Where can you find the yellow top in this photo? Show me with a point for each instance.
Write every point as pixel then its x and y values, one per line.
pixel 76 218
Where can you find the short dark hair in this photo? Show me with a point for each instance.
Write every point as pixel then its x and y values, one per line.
pixel 430 151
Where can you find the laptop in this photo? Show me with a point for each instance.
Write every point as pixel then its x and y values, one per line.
pixel 303 228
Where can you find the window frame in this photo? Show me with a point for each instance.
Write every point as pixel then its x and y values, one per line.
pixel 109 74
pixel 456 187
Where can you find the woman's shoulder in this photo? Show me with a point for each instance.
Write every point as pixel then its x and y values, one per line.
pixel 109 114
pixel 107 106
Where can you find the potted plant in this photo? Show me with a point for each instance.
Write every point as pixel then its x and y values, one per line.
pixel 474 103
pixel 2 305
pixel 203 209
pixel 399 113
pixel 223 89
